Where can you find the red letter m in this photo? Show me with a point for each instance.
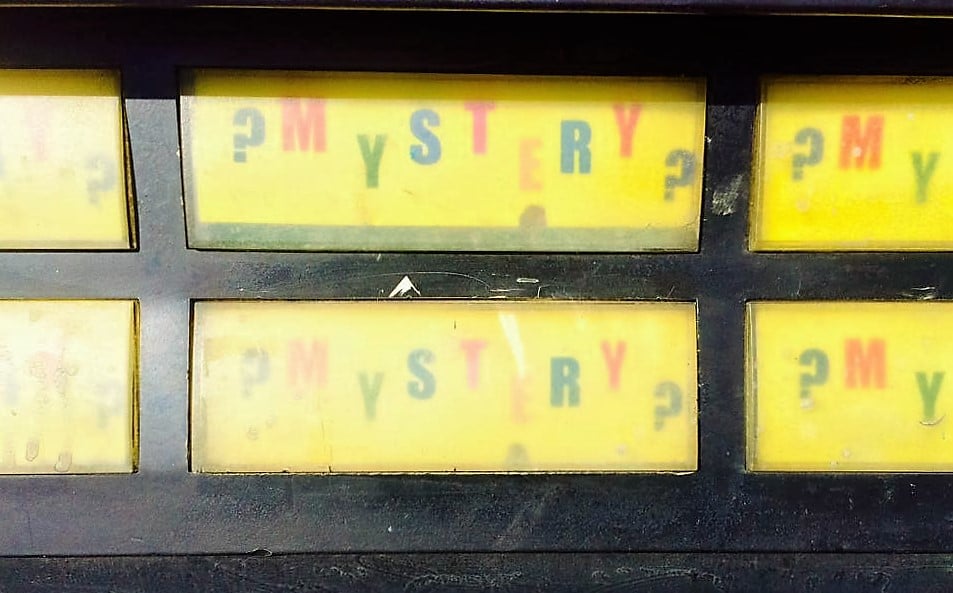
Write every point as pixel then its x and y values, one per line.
pixel 304 125
pixel 862 366
pixel 856 145
pixel 307 366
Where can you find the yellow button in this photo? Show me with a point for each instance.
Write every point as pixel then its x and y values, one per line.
pixel 319 160
pixel 443 386
pixel 62 171
pixel 854 164
pixel 849 386
pixel 67 377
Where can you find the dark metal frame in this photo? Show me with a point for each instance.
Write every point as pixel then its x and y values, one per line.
pixel 923 8
pixel 164 509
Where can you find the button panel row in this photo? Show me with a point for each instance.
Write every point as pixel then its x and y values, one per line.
pixel 444 386
pixel 276 160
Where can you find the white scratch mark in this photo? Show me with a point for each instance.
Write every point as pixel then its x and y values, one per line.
pixel 512 332
pixel 724 201
pixel 527 280
pixel 403 288
pixel 423 273
pixel 922 293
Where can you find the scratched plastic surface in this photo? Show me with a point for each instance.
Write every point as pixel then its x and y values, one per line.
pixel 62 170
pixel 443 386
pixel 854 164
pixel 849 386
pixel 67 378
pixel 384 161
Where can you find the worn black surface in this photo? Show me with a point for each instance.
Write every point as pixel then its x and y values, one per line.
pixel 165 509
pixel 430 573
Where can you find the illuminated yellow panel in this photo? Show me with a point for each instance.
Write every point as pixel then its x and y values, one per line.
pixel 854 164
pixel 850 386
pixel 319 160
pixel 67 387
pixel 443 386
pixel 62 171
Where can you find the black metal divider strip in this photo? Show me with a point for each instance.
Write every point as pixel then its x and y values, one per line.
pixel 163 290
pixel 723 275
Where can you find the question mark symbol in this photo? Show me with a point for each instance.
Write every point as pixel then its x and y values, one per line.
pixel 256 369
pixel 255 135
pixel 9 384
pixel 821 370
pixel 672 393
pixel 814 138
pixel 104 181
pixel 107 400
pixel 684 159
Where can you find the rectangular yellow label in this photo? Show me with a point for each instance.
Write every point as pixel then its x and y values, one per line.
pixel 67 387
pixel 356 161
pixel 443 386
pixel 849 386
pixel 62 167
pixel 854 164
